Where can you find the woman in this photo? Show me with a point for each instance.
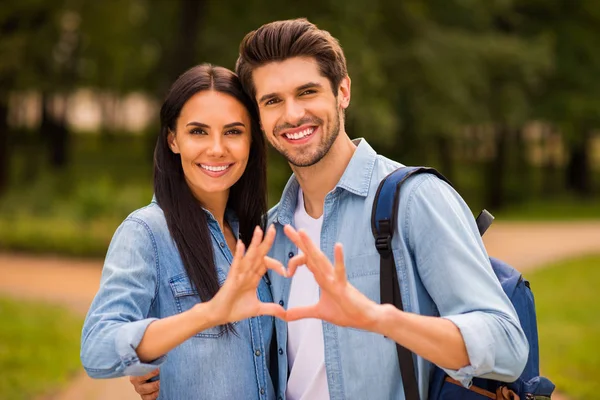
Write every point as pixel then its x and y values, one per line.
pixel 164 287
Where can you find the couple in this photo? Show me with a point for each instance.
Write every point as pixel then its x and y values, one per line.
pixel 199 274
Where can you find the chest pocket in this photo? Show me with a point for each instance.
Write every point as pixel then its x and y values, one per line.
pixel 363 273
pixel 186 297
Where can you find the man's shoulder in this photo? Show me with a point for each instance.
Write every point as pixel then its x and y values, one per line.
pixel 384 166
pixel 425 182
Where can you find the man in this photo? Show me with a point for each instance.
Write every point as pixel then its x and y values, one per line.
pixel 339 342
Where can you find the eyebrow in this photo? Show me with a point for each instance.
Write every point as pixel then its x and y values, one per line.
pixel 298 89
pixel 201 125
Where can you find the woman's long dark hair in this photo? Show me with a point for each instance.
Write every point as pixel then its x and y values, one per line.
pixel 185 217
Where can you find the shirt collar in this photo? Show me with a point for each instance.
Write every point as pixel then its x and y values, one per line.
pixel 355 179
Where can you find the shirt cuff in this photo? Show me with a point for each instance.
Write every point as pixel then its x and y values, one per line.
pixel 127 339
pixel 479 342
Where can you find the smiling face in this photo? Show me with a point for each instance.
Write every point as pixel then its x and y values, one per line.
pixel 299 113
pixel 212 136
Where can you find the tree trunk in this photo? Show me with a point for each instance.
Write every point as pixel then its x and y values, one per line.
pixel 4 162
pixel 549 164
pixel 578 173
pixel 446 151
pixel 407 147
pixel 8 26
pixel 185 51
pixel 496 173
pixel 53 130
pixel 523 164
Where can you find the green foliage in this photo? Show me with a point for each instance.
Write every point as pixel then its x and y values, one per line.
pixel 567 309
pixel 39 349
pixel 423 73
pixel 81 207
pixel 76 211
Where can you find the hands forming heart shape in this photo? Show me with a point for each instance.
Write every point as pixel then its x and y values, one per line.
pixel 340 303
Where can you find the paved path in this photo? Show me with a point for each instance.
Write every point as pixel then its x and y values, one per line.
pixel 530 245
pixel 74 282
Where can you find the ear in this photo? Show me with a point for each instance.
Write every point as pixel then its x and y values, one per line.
pixel 344 92
pixel 172 142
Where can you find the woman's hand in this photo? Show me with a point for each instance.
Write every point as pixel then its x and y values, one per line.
pixel 237 299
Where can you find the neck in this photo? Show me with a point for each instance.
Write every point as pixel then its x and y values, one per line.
pixel 319 179
pixel 216 203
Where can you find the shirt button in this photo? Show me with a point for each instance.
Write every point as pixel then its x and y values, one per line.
pixel 290 254
pixel 262 391
pixel 280 351
pixel 222 244
pixel 280 302
pixel 257 353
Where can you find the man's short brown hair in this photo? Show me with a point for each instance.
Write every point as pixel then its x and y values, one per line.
pixel 281 40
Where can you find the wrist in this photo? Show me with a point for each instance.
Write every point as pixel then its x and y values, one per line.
pixel 374 315
pixel 382 315
pixel 205 316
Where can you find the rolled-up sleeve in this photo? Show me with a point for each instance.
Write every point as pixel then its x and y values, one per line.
pixel 118 316
pixel 455 269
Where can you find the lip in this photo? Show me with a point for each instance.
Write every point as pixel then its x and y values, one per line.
pixel 300 129
pixel 215 174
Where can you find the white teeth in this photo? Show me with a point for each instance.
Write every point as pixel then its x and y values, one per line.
pixel 300 135
pixel 215 169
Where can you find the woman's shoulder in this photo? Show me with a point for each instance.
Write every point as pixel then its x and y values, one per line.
pixel 151 217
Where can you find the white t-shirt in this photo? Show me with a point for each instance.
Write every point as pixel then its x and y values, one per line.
pixel 305 346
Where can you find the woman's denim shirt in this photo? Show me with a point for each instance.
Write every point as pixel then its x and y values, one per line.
pixel 144 279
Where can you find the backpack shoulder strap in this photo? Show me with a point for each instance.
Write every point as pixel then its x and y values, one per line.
pixel 383 224
pixel 385 204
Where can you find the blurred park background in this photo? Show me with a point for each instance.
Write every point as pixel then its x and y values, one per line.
pixel 501 96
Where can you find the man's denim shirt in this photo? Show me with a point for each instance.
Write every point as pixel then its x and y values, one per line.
pixel 443 269
pixel 144 279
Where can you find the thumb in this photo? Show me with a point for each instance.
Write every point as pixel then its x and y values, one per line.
pixel 272 309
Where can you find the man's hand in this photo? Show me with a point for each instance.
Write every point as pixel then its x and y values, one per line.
pixel 340 302
pixel 146 390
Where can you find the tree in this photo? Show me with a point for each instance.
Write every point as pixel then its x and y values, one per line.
pixel 570 100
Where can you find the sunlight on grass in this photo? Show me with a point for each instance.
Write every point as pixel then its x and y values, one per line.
pixel 39 348
pixel 568 308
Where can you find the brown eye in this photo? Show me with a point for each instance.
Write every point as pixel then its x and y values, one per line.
pixel 271 102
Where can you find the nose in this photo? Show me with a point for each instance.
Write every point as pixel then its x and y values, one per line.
pixel 294 112
pixel 216 147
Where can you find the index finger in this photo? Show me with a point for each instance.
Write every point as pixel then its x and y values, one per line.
pixel 268 241
pixel 293 235
pixel 253 248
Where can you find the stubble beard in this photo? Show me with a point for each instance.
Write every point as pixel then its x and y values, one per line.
pixel 307 160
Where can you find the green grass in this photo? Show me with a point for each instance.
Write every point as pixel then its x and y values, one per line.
pixel 39 348
pixel 568 310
